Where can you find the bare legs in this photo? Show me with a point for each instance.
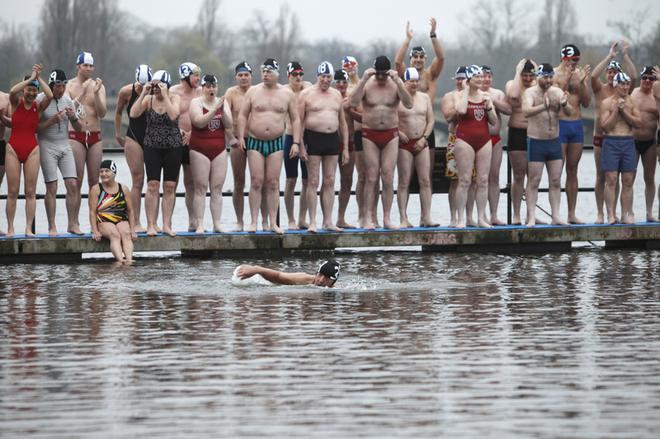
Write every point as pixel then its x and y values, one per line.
pixel 264 175
pixel 135 160
pixel 534 172
pixel 30 174
pixel 327 165
pixel 466 160
pixel 518 161
pixel 205 172
pixel 494 183
pixel 379 163
pixel 627 180
pixel 238 160
pixel 648 164
pixel 346 175
pixel 572 155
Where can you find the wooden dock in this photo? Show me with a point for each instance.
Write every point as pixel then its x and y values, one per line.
pixel 505 239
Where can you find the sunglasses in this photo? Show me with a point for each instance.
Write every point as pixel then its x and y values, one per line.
pixel 349 64
pixel 297 74
pixel 648 78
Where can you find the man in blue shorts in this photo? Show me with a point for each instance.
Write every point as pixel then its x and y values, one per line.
pixel 541 105
pixel 618 116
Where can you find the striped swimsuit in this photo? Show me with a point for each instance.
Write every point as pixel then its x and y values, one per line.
pixel 264 147
pixel 111 208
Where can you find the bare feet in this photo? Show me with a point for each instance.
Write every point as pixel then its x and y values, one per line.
pixel 405 224
pixel 515 220
pixel 390 225
pixel 218 230
pixel 200 230
pixel 651 219
pixel 29 232
pixel 369 226
pixel 238 227
pixel 612 219
pixel 311 227
pixel 292 225
pixel 556 221
pixel 460 224
pixel 140 229
pixel 600 219
pixel 471 223
pixel 303 225
pixel 10 232
pixel 152 231
pixel 74 230
pixel 345 225
pixel 428 223
pixel 495 221
pixel 541 222
pixel 331 227
pixel 485 224
pixel 573 220
pixel 452 223
pixel 158 229
pixel 52 232
pixel 277 229
pixel 531 222
pixel 252 228
pixel 628 219
pixel 169 231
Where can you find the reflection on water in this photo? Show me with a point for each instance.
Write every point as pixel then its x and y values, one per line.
pixel 409 345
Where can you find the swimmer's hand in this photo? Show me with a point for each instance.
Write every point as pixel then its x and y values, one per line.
pixel 245 271
pixel 96 235
pixel 134 235
pixel 434 24
pixel 613 48
pixel 409 31
pixel 146 90
pixel 563 101
pixel 294 151
pixel 626 46
pixel 520 66
pixel 98 83
pixel 369 73
pixel 402 137
pixel 393 74
pixel 241 143
pixel 421 144
pixel 303 153
pixel 345 158
pixel 121 140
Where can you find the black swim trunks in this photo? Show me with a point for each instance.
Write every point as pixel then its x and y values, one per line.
pixel 321 143
pixel 3 150
pixel 643 145
pixel 517 139
pixel 357 140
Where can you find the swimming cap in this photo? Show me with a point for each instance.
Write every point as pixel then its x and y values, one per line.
pixel 411 74
pixel 162 76
pixel 330 269
pixel 325 68
pixel 382 64
pixel 143 74
pixel 243 67
pixel 341 75
pixel 209 79
pixel 472 71
pixel 545 70
pixel 187 69
pixel 33 83
pixel 528 67
pixel 57 76
pixel 487 69
pixel 648 70
pixel 417 50
pixel 614 65
pixel 619 78
pixel 570 51
pixel 349 60
pixel 272 65
pixel 85 58
pixel 109 164
pixel 294 66
pixel 460 72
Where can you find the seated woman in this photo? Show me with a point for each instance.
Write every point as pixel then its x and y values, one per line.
pixel 111 213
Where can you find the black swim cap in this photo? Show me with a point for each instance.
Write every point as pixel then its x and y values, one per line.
pixel 529 67
pixel 460 72
pixel 330 269
pixel 56 76
pixel 382 64
pixel 545 70
pixel 487 69
pixel 570 51
pixel 648 70
pixel 242 67
pixel 294 66
pixel 209 79
pixel 109 164
pixel 341 75
pixel 271 64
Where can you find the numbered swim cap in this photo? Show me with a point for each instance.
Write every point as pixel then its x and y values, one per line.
pixel 341 75
pixel 325 68
pixel 570 51
pixel 271 65
pixel 143 74
pixel 243 67
pixel 162 76
pixel 545 70
pixel 187 69
pixel 109 164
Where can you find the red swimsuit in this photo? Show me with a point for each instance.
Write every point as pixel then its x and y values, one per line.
pixel 209 140
pixel 472 127
pixel 24 125
pixel 380 137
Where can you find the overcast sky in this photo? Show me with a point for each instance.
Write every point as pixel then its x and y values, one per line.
pixel 354 20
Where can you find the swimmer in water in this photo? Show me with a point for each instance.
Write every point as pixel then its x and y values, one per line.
pixel 326 275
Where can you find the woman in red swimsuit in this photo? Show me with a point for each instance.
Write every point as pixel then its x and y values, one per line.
pixel 211 122
pixel 22 148
pixel 473 147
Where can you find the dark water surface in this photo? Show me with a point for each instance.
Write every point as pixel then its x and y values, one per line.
pixel 408 345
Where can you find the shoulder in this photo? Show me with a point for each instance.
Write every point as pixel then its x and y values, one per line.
pixel 497 92
pixel 126 90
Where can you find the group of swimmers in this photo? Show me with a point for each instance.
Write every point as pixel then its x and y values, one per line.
pixel 374 123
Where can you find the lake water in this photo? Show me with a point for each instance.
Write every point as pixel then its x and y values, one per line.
pixel 407 345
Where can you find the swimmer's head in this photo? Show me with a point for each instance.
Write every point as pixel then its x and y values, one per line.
pixel 161 76
pixel 528 73
pixel 209 80
pixel 85 58
pixel 473 71
pixel 143 74
pixel 621 82
pixel 411 74
pixel 295 70
pixel 242 66
pixel 31 89
pixel 57 82
pixel 110 165
pixel 648 77
pixel 191 73
pixel 417 51
pixel 340 75
pixel 329 271
pixel 529 67
pixel 325 68
pixel 382 65
pixel 545 73
pixel 614 65
pixel 570 55
pixel 459 77
pixel 488 77
pixel 340 81
pixel 270 70
pixel 349 62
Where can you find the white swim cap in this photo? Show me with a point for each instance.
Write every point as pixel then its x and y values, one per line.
pixel 187 69
pixel 325 68
pixel 143 74
pixel 85 58
pixel 619 78
pixel 162 76
pixel 411 74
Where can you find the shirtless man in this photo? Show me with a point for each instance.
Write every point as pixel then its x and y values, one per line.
pixel 325 276
pixel 322 118
pixel 89 97
pixel 502 106
pixel 572 79
pixel 380 90
pixel 187 89
pixel 234 96
pixel 524 79
pixel 262 118
pixel 646 142
pixel 340 83
pixel 603 90
pixel 542 104
pixel 428 77
pixel 296 84
pixel 619 116
pixel 415 126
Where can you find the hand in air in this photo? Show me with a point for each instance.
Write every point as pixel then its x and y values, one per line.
pixel 409 31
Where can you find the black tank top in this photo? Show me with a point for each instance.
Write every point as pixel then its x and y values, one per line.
pixel 136 126
pixel 162 132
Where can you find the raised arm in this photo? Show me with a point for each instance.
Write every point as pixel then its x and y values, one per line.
pixel 399 63
pixel 596 84
pixel 140 104
pixel 629 66
pixel 99 98
pixel 16 90
pixel 584 94
pixel 439 61
pixel 358 92
pixel 501 104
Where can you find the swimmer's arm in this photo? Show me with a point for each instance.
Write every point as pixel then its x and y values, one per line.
pixel 447 108
pixel 461 101
pixel 294 117
pixel 99 102
pixel 439 61
pixel 48 94
pixel 430 119
pixel 399 64
pixel 608 116
pixel 528 107
pixel 343 127
pixel 404 96
pixel 4 120
pixel 629 67
pixel 596 73
pixel 274 276
pixel 632 116
pixel 227 119
pixel 15 92
pixel 122 101
pixel 243 117
pixel 171 104
pixel 585 96
pixel 129 211
pixel 354 114
pixel 502 104
pixel 357 94
pixel 656 92
pixel 197 116
pixel 140 104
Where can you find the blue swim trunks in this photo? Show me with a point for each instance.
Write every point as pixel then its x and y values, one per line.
pixel 570 131
pixel 618 154
pixel 264 147
pixel 543 150
pixel 291 165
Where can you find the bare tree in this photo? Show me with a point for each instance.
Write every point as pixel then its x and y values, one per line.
pixel 634 29
pixel 279 38
pixel 16 55
pixel 556 28
pixel 206 20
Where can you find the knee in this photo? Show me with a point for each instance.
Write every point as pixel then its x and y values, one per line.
pixel 153 186
pixel 424 181
pixel 329 180
pixel 30 194
pixel 555 183
pixel 482 181
pixel 372 177
pixel 256 183
pixel 126 235
pixel 273 184
pixel 51 190
pixel 239 184
pixel 169 187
